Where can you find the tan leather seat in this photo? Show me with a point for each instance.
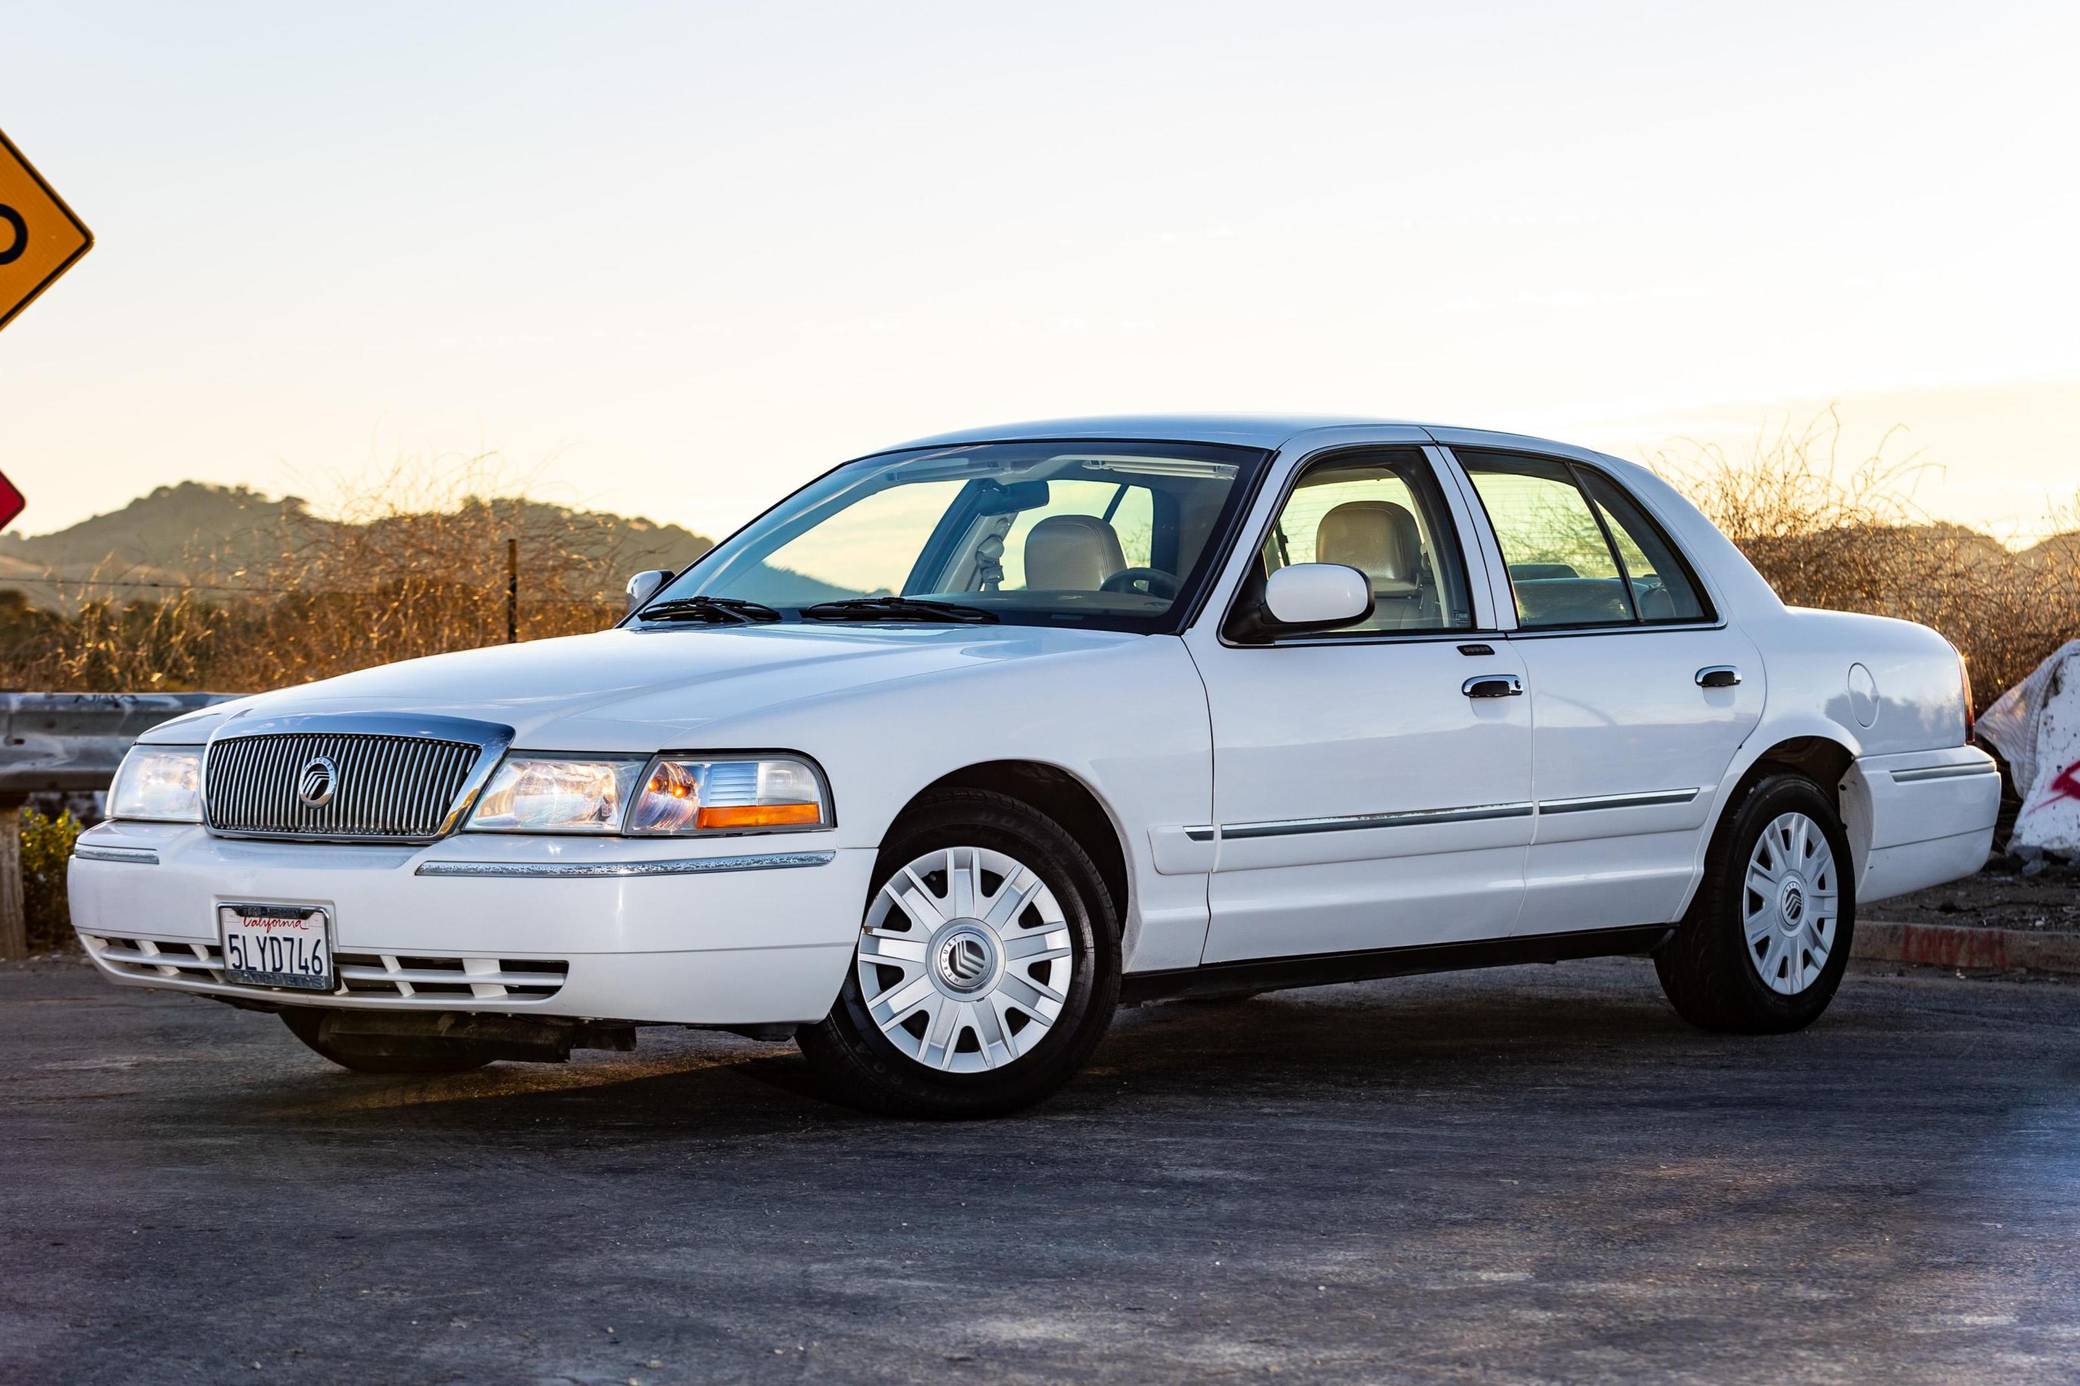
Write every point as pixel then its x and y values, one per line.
pixel 1072 553
pixel 1378 538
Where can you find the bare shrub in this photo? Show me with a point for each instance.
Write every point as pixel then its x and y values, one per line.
pixel 130 645
pixel 1848 537
pixel 415 564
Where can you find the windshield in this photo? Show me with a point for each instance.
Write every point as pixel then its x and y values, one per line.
pixel 1109 534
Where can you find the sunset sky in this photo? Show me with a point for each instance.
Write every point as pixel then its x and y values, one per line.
pixel 675 259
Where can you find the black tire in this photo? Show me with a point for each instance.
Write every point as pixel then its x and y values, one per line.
pixel 1706 970
pixel 858 1066
pixel 307 1023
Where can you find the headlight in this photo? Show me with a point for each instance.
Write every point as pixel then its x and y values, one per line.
pixel 158 783
pixel 683 795
pixel 556 794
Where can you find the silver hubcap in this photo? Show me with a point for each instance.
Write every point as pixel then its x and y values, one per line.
pixel 965 959
pixel 1791 903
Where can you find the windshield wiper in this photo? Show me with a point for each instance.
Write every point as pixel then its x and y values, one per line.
pixel 714 611
pixel 895 609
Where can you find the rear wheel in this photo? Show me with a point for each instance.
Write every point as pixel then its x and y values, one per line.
pixel 307 1023
pixel 986 969
pixel 1766 941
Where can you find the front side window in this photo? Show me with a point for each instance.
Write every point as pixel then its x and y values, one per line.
pixel 1119 535
pixel 1580 552
pixel 1381 513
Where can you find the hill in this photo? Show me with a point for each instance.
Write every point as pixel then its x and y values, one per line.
pixel 225 539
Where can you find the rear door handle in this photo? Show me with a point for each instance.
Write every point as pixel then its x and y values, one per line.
pixel 1718 676
pixel 1493 686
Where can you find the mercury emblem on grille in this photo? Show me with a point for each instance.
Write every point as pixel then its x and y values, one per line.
pixel 317 782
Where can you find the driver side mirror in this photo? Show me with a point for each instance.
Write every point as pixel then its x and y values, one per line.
pixel 1315 596
pixel 645 585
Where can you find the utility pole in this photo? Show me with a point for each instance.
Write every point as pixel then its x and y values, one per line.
pixel 14 922
pixel 512 591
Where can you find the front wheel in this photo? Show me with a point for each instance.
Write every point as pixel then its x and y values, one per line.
pixel 986 970
pixel 1766 941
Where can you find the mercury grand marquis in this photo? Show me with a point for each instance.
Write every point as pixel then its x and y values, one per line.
pixel 969 742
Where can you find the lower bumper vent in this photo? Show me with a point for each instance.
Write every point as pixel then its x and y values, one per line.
pixel 375 976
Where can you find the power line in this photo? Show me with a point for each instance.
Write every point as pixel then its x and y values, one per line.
pixel 168 586
pixel 113 583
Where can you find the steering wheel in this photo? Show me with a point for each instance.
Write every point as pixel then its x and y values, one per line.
pixel 1142 582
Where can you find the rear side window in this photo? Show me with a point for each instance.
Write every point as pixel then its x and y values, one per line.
pixel 1580 552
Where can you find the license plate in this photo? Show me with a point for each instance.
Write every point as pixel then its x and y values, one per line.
pixel 277 946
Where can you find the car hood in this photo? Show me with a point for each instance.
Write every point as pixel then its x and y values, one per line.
pixel 635 689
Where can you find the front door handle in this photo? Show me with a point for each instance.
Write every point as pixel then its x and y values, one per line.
pixel 1493 686
pixel 1718 676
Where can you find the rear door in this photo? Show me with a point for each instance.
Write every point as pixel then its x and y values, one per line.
pixel 1640 694
pixel 1362 800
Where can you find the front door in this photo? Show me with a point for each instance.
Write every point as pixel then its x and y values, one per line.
pixel 1640 695
pixel 1362 798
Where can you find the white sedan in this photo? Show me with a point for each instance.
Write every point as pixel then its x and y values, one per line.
pixel 970 741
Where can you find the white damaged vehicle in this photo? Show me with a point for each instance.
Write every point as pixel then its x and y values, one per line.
pixel 968 742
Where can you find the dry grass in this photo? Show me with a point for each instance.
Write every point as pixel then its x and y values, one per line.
pixel 1846 536
pixel 414 565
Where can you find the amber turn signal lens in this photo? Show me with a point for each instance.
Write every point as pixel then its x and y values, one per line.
pixel 759 816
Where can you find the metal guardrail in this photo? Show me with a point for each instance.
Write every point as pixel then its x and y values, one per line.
pixel 65 741
pixel 74 741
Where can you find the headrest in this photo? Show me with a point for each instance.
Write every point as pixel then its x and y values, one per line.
pixel 1072 553
pixel 1378 538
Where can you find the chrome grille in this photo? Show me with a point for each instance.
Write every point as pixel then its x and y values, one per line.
pixel 386 788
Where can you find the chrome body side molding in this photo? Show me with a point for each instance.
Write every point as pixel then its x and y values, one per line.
pixel 1592 802
pixel 1288 827
pixel 1414 818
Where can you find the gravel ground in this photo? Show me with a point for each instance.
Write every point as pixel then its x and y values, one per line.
pixel 1531 1174
pixel 2000 897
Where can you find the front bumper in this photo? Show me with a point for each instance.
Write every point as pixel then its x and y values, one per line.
pixel 741 931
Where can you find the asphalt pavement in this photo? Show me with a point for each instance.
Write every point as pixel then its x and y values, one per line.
pixel 1532 1174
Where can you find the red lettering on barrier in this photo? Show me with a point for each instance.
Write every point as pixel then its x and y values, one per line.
pixel 2064 785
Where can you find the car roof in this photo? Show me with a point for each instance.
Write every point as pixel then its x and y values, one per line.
pixel 1249 430
pixel 1269 431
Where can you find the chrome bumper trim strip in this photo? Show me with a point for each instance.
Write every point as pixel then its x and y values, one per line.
pixel 137 856
pixel 1943 772
pixel 677 866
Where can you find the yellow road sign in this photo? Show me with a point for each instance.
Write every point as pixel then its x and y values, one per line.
pixel 40 238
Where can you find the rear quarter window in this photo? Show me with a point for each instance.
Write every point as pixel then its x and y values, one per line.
pixel 1579 550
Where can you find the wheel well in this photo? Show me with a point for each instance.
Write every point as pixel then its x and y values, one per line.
pixel 1826 763
pixel 1818 759
pixel 1062 797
